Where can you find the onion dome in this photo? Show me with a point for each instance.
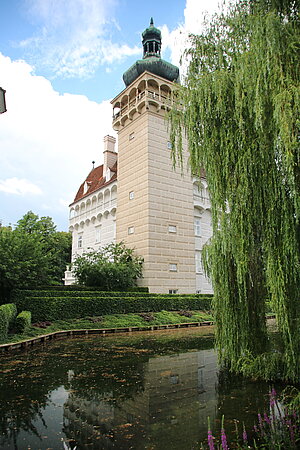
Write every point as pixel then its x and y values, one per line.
pixel 152 62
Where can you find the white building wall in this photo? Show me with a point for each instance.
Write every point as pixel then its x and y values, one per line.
pixel 92 223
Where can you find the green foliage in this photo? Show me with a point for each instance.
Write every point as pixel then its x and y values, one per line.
pixel 22 261
pixel 22 322
pixel 69 307
pixel 32 224
pixel 113 267
pixel 56 244
pixel 19 294
pixel 8 313
pixel 240 115
pixel 32 254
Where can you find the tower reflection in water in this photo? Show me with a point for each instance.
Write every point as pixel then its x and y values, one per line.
pixel 170 411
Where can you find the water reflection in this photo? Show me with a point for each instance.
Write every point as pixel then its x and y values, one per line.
pixel 151 391
pixel 178 392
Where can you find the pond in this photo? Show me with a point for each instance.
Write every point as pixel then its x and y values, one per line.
pixel 140 391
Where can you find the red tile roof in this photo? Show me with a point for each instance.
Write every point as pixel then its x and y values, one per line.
pixel 95 180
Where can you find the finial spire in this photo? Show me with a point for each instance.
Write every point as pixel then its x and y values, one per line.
pixel 151 22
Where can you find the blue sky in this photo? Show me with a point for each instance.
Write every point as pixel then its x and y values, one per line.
pixel 61 62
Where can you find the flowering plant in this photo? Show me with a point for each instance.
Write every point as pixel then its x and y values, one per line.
pixel 279 428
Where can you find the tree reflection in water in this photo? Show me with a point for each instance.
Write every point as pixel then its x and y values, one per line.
pixel 150 390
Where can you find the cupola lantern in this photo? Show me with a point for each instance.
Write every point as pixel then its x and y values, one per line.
pixel 152 61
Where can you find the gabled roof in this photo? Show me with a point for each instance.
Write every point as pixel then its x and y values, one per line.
pixel 95 181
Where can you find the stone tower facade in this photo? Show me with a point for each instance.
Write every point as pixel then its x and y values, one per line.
pixel 136 196
pixel 155 211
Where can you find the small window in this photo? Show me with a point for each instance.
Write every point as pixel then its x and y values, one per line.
pixel 197 224
pixel 198 291
pixel 131 195
pixel 131 136
pixel 130 230
pixel 79 242
pixel 169 145
pixel 173 291
pixel 198 262
pixel 174 379
pixel 98 234
pixel 173 267
pixel 172 229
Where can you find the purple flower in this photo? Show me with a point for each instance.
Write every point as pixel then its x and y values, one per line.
pixel 267 419
pixel 245 437
pixel 210 440
pixel 224 439
pixel 273 395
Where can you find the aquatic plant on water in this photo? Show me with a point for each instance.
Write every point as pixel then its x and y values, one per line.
pixel 279 428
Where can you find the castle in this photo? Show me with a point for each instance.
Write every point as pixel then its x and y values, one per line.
pixel 136 196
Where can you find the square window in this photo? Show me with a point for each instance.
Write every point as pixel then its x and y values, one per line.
pixel 174 379
pixel 79 242
pixel 173 291
pixel 173 267
pixel 169 145
pixel 172 229
pixel 131 136
pixel 131 195
pixel 130 230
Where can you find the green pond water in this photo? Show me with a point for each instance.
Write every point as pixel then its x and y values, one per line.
pixel 139 391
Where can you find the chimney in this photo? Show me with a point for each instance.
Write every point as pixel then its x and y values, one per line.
pixel 109 155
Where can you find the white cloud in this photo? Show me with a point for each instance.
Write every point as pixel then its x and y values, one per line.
pixel 74 36
pixel 47 138
pixel 195 12
pixel 19 187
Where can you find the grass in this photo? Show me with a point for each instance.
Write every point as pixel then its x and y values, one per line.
pixel 112 321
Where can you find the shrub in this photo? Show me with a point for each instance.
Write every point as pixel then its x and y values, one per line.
pixel 8 313
pixel 113 267
pixel 71 307
pixel 22 322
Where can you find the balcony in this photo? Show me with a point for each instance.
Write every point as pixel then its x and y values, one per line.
pixel 143 100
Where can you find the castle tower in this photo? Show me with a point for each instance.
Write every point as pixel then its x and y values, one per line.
pixel 155 210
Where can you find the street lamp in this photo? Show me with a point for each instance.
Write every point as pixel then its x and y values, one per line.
pixel 2 101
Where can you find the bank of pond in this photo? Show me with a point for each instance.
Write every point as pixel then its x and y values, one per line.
pixel 135 390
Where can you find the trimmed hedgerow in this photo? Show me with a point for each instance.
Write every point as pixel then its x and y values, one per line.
pixel 8 313
pixel 19 295
pixel 55 308
pixel 22 322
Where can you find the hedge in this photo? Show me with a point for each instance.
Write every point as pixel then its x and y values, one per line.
pixel 78 287
pixel 56 308
pixel 22 322
pixel 8 313
pixel 19 295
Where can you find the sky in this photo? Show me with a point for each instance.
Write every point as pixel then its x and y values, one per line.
pixel 61 63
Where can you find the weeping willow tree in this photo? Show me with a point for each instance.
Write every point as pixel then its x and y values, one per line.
pixel 239 111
